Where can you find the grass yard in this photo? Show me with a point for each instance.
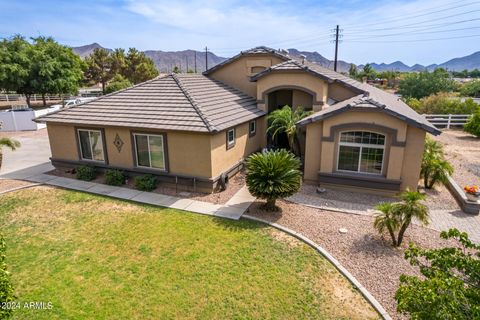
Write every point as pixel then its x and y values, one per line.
pixel 94 257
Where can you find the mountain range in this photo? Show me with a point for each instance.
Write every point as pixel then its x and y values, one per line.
pixel 167 60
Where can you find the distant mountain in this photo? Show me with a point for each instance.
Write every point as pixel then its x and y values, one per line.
pixel 167 60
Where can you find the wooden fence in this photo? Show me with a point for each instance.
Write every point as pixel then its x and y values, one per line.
pixel 447 120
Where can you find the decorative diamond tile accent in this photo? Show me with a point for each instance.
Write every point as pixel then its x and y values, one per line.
pixel 118 143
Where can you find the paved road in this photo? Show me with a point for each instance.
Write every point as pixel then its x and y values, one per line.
pixel 35 150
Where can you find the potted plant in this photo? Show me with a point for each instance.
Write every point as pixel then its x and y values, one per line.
pixel 472 192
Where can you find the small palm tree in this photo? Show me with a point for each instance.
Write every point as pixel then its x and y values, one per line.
pixel 285 120
pixel 435 168
pixel 272 175
pixel 10 143
pixel 397 217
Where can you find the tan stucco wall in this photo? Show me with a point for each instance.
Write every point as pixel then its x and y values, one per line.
pixel 412 158
pixel 339 92
pixel 189 154
pixel 400 163
pixel 237 73
pixel 63 143
pixel 286 79
pixel 302 99
pixel 223 159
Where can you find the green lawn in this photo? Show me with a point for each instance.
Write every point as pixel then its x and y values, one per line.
pixel 94 257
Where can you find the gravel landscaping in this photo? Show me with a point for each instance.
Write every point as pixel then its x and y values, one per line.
pixel 367 255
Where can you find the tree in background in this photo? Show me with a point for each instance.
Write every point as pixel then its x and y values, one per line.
pixel 450 284
pixel 367 72
pixel 352 71
pixel 99 67
pixel 176 69
pixel 423 84
pixel 471 89
pixel 118 83
pixel 139 68
pixel 473 124
pixel 272 175
pixel 6 287
pixel 397 217
pixel 55 69
pixel 434 168
pixel 119 63
pixel 442 103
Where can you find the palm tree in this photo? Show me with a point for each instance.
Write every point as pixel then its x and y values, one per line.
pixel 285 120
pixel 10 143
pixel 435 168
pixel 272 175
pixel 397 217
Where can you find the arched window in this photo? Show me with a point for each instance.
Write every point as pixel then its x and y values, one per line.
pixel 361 151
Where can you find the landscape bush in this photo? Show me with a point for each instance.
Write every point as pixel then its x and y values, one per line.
pixel 6 287
pixel 442 103
pixel 272 175
pixel 146 182
pixel 473 125
pixel 434 168
pixel 471 89
pixel 115 177
pixel 425 83
pixel 86 173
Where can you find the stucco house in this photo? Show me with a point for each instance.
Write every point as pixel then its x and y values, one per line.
pixel 196 130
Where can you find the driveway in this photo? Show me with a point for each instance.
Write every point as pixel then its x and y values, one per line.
pixel 35 150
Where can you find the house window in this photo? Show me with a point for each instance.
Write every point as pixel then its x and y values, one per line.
pixel 150 151
pixel 230 138
pixel 252 128
pixel 91 145
pixel 361 151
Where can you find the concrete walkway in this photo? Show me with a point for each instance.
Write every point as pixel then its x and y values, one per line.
pixel 233 209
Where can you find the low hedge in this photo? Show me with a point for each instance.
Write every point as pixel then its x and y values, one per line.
pixel 115 177
pixel 86 173
pixel 146 182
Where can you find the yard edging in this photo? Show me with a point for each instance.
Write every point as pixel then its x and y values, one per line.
pixel 367 295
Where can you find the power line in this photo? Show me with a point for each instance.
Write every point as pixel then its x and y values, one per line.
pixel 409 33
pixel 416 40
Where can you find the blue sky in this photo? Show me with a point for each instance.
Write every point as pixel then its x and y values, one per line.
pixel 380 31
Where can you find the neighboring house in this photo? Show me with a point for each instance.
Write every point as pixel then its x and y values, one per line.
pixel 196 130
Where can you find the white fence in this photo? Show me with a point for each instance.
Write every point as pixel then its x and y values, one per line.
pixel 447 120
pixel 21 120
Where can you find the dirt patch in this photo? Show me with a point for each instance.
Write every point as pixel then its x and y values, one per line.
pixel 11 184
pixel 366 254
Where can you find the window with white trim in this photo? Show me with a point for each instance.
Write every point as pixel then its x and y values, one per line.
pixel 361 151
pixel 252 127
pixel 150 151
pixel 230 138
pixel 91 145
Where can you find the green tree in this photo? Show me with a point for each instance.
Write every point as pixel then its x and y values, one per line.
pixel 9 143
pixel 117 83
pixel 397 217
pixel 473 124
pixel 434 168
pixel 140 68
pixel 56 69
pixel 442 103
pixel 99 67
pixel 471 89
pixel 272 175
pixel 6 288
pixel 367 72
pixel 285 121
pixel 15 66
pixel 352 71
pixel 450 284
pixel 119 62
pixel 176 69
pixel 423 84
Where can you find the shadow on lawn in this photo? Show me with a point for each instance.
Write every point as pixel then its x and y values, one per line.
pixel 238 225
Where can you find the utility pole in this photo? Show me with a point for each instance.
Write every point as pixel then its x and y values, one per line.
pixel 337 35
pixel 206 58
pixel 195 60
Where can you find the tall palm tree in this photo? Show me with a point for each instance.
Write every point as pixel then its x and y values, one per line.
pixel 285 120
pixel 10 143
pixel 397 217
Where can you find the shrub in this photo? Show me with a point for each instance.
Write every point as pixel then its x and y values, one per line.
pixel 6 287
pixel 442 103
pixel 146 182
pixel 435 168
pixel 117 83
pixel 473 125
pixel 272 175
pixel 423 84
pixel 86 173
pixel 115 177
pixel 449 287
pixel 471 88
pixel 396 217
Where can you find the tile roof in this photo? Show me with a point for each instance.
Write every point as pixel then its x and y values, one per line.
pixel 252 51
pixel 174 102
pixel 370 96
